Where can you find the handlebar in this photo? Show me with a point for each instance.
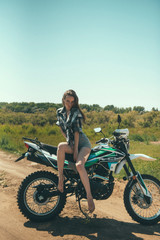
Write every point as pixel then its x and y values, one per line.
pixel 102 140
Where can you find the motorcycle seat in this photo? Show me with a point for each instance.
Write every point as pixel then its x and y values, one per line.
pixel 53 150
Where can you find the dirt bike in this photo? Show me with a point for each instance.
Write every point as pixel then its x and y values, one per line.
pixel 39 199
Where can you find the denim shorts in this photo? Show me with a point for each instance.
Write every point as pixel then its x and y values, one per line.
pixel 83 141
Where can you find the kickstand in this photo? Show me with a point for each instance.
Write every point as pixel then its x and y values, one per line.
pixel 84 213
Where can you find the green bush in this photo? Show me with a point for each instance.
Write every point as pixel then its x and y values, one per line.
pixel 137 137
pixel 52 132
pixel 32 130
pixel 6 143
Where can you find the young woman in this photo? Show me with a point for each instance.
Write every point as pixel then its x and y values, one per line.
pixel 70 119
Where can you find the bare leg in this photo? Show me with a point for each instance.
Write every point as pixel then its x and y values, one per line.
pixel 62 149
pixel 82 158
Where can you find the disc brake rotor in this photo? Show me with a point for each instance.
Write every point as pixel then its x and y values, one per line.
pixel 40 199
pixel 139 199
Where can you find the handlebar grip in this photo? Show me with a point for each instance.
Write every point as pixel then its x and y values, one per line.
pixel 102 140
pixel 31 140
pixel 25 138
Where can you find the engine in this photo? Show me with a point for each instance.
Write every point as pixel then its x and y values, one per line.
pixel 100 189
pixel 101 169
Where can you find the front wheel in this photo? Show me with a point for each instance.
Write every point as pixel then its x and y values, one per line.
pixel 136 205
pixel 38 199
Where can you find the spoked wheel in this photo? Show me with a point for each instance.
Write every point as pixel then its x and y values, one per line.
pixel 38 198
pixel 142 211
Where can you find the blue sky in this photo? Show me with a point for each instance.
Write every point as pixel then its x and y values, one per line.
pixel 107 51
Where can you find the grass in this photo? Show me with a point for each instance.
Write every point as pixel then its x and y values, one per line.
pixel 11 136
pixel 11 140
pixel 144 166
pixel 150 149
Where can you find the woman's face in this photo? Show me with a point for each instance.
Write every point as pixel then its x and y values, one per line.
pixel 68 102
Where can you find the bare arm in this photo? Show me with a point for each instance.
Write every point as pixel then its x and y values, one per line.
pixel 63 133
pixel 76 142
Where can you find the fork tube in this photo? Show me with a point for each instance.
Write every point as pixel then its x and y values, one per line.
pixel 126 170
pixel 131 165
pixel 128 159
pixel 139 181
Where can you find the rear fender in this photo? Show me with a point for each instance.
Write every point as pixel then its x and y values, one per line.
pixel 32 145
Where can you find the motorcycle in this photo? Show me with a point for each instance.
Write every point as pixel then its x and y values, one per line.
pixel 39 199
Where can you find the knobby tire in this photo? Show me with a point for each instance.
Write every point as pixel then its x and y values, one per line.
pixel 24 206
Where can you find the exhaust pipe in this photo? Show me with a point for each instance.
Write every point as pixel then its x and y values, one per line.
pixel 100 177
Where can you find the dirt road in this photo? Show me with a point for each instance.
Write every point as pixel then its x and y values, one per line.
pixel 111 223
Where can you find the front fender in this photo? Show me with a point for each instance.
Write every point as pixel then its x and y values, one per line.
pixel 132 156
pixel 141 156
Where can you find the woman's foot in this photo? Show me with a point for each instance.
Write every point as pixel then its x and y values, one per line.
pixel 60 184
pixel 91 205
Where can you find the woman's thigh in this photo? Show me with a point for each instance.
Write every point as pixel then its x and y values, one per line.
pixel 63 146
pixel 83 155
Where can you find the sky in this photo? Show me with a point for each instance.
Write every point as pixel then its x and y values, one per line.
pixel 108 51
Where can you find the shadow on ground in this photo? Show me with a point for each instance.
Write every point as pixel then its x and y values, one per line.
pixel 96 228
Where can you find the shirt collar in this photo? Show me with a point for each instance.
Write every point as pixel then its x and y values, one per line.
pixel 63 110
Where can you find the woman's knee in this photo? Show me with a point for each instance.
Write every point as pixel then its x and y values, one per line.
pixel 79 166
pixel 61 146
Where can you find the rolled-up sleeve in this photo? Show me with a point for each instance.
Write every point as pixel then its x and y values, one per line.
pixel 58 123
pixel 58 118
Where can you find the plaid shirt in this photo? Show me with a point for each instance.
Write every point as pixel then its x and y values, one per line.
pixel 71 124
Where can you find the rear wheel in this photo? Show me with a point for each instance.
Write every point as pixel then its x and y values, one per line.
pixel 142 211
pixel 38 199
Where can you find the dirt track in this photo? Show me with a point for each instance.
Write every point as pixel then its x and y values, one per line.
pixel 111 223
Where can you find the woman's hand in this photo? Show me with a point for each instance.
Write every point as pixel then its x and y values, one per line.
pixel 75 154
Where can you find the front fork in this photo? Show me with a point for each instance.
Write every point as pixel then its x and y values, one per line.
pixel 143 188
pixel 140 183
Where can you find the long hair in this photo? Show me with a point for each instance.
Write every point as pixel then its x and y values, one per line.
pixel 72 93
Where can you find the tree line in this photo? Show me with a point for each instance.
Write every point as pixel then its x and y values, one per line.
pixel 31 107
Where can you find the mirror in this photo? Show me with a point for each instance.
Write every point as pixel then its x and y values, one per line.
pixel 97 130
pixel 119 119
